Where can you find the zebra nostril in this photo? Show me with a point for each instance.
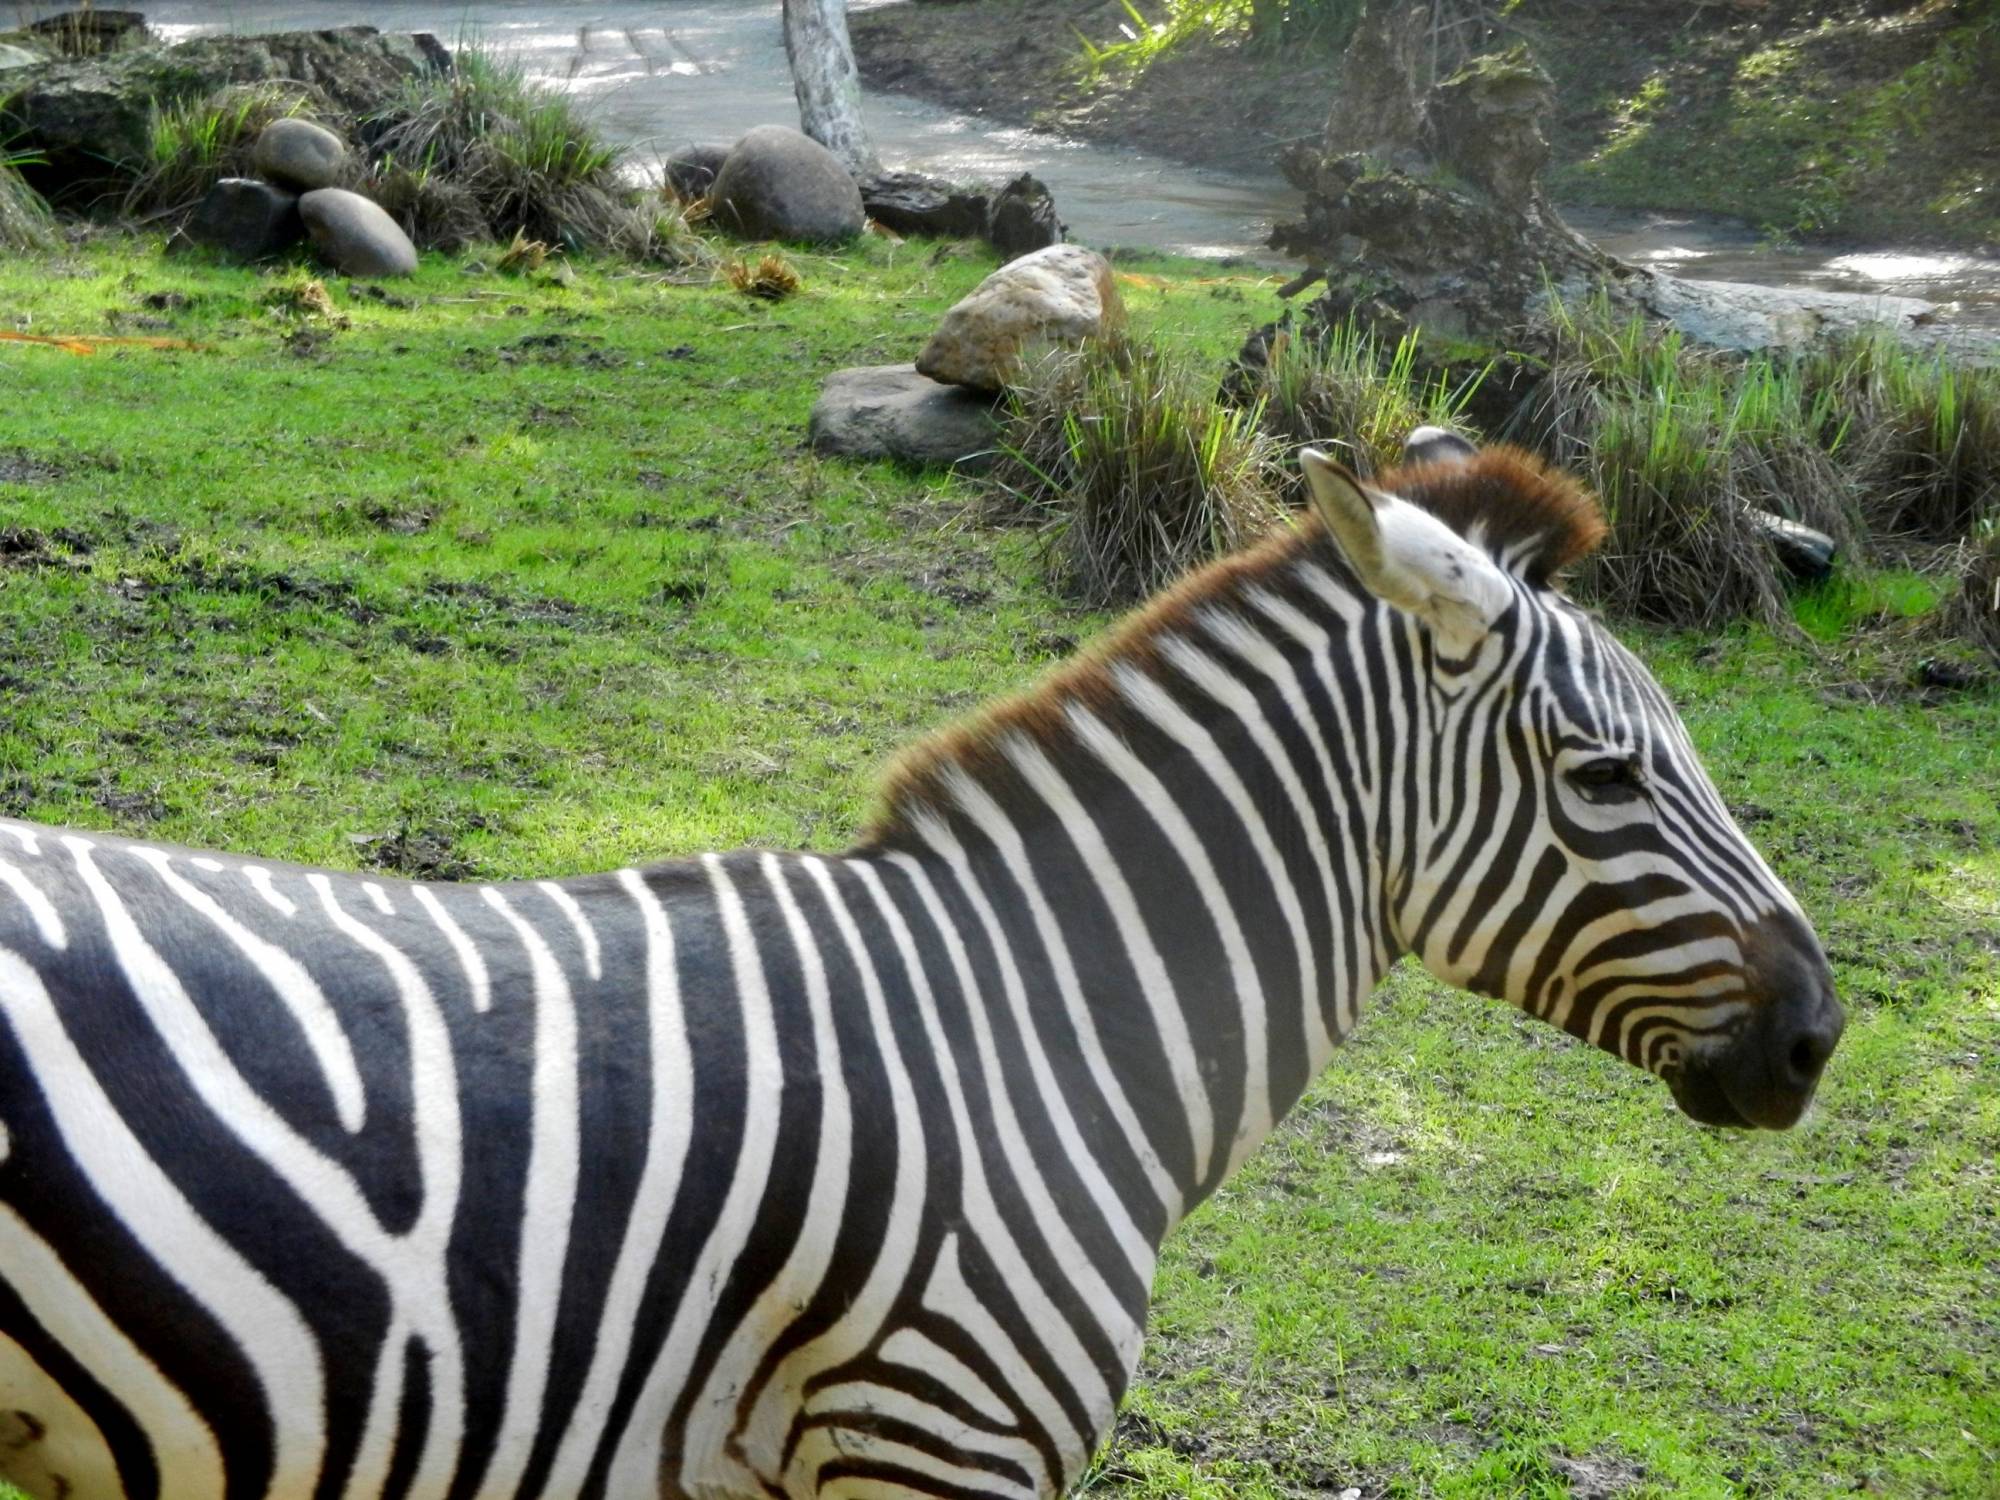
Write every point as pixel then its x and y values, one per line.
pixel 1808 1053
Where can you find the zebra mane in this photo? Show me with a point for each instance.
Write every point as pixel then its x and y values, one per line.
pixel 1535 519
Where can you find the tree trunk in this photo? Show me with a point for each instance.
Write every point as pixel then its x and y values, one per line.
pixel 827 83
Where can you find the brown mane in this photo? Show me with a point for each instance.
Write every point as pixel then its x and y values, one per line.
pixel 1523 509
pixel 1518 504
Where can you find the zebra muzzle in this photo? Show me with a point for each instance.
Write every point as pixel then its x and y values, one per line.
pixel 1767 1074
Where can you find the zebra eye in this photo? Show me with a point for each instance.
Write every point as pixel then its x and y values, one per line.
pixel 1609 778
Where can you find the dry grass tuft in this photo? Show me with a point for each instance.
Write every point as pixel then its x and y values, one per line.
pixel 1133 469
pixel 303 300
pixel 1685 447
pixel 773 277
pixel 524 256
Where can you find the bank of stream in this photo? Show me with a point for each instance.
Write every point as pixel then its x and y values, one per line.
pixel 706 70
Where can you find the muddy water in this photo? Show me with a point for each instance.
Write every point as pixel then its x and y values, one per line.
pixel 672 71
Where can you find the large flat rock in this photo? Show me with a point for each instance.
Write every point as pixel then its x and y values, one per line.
pixel 890 411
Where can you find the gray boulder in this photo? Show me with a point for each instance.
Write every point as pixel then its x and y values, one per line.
pixel 13 58
pixel 354 236
pixel 300 155
pixel 911 203
pixel 1023 218
pixel 246 220
pixel 89 31
pixel 890 411
pixel 690 172
pixel 781 184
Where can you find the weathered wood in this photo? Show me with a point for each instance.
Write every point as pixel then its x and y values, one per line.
pixel 1804 553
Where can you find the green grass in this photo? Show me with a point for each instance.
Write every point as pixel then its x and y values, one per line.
pixel 532 579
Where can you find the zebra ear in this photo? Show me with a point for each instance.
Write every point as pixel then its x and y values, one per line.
pixel 1407 557
pixel 1437 445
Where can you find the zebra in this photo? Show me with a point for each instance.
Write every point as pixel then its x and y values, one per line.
pixel 787 1175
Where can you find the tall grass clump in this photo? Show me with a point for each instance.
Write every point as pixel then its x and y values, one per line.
pixel 484 152
pixel 1344 389
pixel 25 221
pixel 1922 433
pixel 1133 468
pixel 194 143
pixel 1974 611
pixel 1691 451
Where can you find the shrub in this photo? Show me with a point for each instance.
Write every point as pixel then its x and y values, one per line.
pixel 1921 432
pixel 1974 612
pixel 486 153
pixel 1687 449
pixel 1133 468
pixel 194 143
pixel 1341 389
pixel 25 221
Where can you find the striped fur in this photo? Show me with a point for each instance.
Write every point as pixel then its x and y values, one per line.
pixel 776 1175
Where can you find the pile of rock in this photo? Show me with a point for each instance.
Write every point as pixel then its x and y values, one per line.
pixel 87 114
pixel 942 409
pixel 778 183
pixel 295 194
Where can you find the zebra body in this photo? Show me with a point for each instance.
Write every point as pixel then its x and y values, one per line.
pixel 776 1175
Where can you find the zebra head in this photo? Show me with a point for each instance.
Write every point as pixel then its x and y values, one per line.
pixel 1569 853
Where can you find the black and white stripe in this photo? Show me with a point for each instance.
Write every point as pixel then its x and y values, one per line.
pixel 775 1175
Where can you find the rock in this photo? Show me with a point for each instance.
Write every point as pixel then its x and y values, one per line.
pixel 779 183
pixel 357 237
pixel 1023 218
pixel 1805 553
pixel 911 203
pixel 246 219
pixel 690 172
pixel 87 32
pixel 890 411
pixel 300 155
pixel 12 58
pixel 1063 294
pixel 90 117
pixel 1750 319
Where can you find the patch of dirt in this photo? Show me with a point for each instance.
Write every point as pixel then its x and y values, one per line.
pixel 1597 1478
pixel 18 466
pixel 485 602
pixel 278 588
pixel 25 547
pixel 418 853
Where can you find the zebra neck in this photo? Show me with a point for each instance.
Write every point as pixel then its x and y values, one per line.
pixel 1175 900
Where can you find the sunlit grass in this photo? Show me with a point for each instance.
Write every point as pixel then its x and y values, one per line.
pixel 529 579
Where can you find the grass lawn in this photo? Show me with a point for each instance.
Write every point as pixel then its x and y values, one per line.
pixel 511 577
